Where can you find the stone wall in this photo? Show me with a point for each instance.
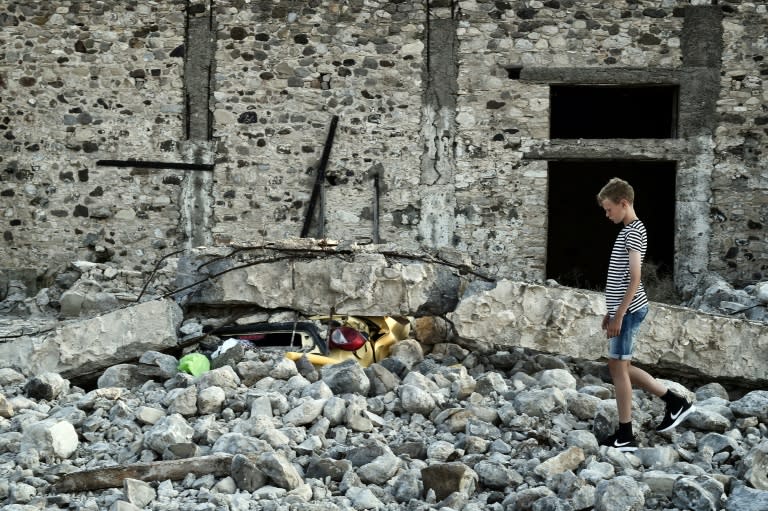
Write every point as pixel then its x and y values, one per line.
pixel 443 124
pixel 83 81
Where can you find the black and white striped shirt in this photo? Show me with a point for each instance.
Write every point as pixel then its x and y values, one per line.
pixel 631 238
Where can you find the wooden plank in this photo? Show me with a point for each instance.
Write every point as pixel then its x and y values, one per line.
pixel 113 477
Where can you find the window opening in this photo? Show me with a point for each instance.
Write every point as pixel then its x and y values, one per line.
pixel 609 111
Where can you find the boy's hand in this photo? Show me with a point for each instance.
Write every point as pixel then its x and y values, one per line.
pixel 606 318
pixel 614 327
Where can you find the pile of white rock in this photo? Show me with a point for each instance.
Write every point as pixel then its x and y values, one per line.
pixel 715 295
pixel 450 430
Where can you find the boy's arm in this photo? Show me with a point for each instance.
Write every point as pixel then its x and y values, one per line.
pixel 614 326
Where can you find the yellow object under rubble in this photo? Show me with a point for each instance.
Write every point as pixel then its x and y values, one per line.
pixel 391 330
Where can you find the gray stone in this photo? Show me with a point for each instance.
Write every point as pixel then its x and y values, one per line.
pixel 306 412
pixel 706 420
pixel 698 494
pixel 22 493
pixel 496 475
pixel 172 429
pixel 743 498
pixel 335 410
pixel 440 450
pixel 180 451
pixel 51 438
pixel 551 503
pixel 237 443
pixel 416 400
pixel 491 382
pixel 320 468
pixel 363 498
pixel 407 486
pixel 182 401
pixel 525 499
pixel 138 493
pixel 582 439
pixel 284 369
pixel 121 505
pixel 317 390
pixel 356 416
pixel 711 390
pixel 408 351
pixel 46 386
pixel 597 471
pixel 753 404
pixel 9 376
pixel 149 415
pixel 660 482
pixel 279 470
pixel 583 406
pixel 246 474
pixel 122 375
pixel 224 377
pixel 657 457
pixel 757 461
pixel 559 378
pixel 380 470
pixel 346 377
pixel 538 403
pixel 167 364
pixel 621 492
pixel 717 442
pixel 382 379
pixel 210 400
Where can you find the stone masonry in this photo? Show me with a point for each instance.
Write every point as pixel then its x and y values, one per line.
pixel 443 134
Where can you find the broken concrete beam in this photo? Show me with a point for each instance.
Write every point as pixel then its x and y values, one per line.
pixel 79 347
pixel 361 283
pixel 567 321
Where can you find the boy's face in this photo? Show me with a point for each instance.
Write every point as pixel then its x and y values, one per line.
pixel 615 212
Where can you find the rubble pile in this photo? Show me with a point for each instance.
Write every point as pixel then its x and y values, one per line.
pixel 430 427
pixel 713 294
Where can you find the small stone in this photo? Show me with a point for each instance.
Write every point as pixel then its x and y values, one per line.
pixel 138 493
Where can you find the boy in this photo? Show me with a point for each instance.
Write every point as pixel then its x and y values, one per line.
pixel 627 306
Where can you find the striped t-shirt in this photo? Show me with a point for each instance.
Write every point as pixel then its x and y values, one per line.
pixel 631 237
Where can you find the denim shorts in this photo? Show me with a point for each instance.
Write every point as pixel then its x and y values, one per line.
pixel 620 347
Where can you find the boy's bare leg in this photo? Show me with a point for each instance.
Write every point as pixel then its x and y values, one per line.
pixel 645 381
pixel 622 384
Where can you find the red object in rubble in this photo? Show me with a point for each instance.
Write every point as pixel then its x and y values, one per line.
pixel 347 338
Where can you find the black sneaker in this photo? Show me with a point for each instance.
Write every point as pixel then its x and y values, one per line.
pixel 674 415
pixel 623 445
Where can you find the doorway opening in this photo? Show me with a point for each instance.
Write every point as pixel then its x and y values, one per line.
pixel 580 237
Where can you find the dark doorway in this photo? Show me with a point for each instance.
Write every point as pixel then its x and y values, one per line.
pixel 609 111
pixel 580 237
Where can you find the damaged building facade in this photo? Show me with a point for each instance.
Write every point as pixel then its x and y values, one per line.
pixel 133 129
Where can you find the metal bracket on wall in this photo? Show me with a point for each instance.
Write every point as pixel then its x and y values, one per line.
pixel 155 165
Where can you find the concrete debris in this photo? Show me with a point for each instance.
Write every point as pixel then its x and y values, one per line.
pixel 80 346
pixel 423 439
pixel 563 320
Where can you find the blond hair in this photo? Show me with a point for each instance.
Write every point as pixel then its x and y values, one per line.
pixel 615 190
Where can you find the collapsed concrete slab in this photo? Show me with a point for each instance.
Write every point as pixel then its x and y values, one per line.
pixel 81 346
pixel 568 321
pixel 352 282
